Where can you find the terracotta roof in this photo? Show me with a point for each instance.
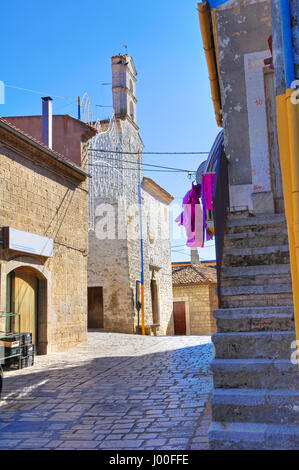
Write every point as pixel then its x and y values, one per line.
pixel 193 274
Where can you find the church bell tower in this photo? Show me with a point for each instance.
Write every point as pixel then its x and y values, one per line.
pixel 124 88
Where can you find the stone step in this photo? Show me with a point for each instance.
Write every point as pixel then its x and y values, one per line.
pixel 256 295
pixel 257 239
pixel 273 288
pixel 253 436
pixel 249 345
pixel 244 271
pixel 255 319
pixel 256 406
pixel 260 280
pixel 263 222
pixel 256 275
pixel 272 374
pixel 257 300
pixel 269 255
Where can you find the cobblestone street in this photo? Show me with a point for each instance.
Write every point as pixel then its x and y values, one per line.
pixel 116 391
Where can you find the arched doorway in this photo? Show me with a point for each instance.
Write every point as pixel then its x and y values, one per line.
pixel 27 295
pixel 24 299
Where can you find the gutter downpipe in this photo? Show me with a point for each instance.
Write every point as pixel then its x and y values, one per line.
pixel 208 44
pixel 141 247
pixel 288 138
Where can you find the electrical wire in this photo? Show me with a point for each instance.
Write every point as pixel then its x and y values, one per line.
pixel 144 169
pixel 146 164
pixel 37 92
pixel 148 153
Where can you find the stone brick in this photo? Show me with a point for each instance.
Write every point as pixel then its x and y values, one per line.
pixel 45 197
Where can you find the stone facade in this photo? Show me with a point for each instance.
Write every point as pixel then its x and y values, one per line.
pixel 115 264
pixel 114 261
pixel 46 195
pixel 245 85
pixel 256 381
pixel 196 285
pixel 200 302
pixel 157 252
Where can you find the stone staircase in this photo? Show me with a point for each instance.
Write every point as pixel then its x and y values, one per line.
pixel 255 404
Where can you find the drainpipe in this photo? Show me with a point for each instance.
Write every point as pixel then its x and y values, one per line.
pixel 141 247
pixel 288 134
pixel 208 44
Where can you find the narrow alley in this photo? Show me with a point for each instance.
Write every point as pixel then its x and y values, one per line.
pixel 116 391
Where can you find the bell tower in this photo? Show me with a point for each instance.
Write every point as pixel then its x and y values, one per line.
pixel 124 87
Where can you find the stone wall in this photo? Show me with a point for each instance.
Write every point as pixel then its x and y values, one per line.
pixel 115 264
pixel 114 261
pixel 241 30
pixel 200 301
pixel 40 195
pixel 157 260
pixel 108 266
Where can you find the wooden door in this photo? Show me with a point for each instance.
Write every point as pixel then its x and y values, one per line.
pixel 24 301
pixel 95 307
pixel 179 317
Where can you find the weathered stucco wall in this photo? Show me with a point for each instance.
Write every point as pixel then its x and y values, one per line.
pixel 242 30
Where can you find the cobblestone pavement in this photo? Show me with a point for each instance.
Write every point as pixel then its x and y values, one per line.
pixel 116 391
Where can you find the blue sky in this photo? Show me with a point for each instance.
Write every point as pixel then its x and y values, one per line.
pixel 63 48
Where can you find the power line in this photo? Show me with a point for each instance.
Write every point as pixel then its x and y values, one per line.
pixel 146 164
pixel 35 91
pixel 136 169
pixel 147 153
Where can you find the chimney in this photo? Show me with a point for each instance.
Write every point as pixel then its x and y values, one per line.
pixel 47 121
pixel 194 256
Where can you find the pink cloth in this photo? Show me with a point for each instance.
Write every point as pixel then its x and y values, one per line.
pixel 207 189
pixel 192 217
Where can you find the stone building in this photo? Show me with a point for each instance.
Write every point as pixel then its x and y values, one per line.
pixel 114 262
pixel 255 397
pixel 44 238
pixel 194 298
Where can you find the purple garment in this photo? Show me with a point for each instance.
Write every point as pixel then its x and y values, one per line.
pixel 192 218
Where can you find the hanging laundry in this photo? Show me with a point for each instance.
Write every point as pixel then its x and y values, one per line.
pixel 192 217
